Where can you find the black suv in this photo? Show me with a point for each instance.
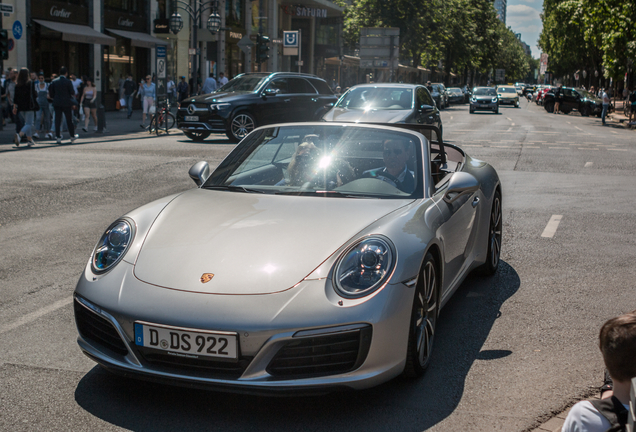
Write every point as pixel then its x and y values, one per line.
pixel 574 98
pixel 252 100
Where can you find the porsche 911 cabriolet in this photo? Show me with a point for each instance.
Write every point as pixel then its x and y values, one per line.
pixel 315 257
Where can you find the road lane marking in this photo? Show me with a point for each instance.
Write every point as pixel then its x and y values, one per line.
pixel 451 117
pixel 559 148
pixel 512 124
pixel 588 164
pixel 28 318
pixel 614 132
pixel 588 148
pixel 525 147
pixel 552 226
pixel 612 149
pixel 579 128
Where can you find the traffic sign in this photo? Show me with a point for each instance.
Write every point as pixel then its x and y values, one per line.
pixel 245 44
pixel 6 8
pixel 290 39
pixel 17 30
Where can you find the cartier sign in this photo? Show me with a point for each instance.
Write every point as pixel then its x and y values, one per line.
pixel 59 11
pixel 124 22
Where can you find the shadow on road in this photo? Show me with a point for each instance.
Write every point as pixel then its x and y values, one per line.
pixel 404 405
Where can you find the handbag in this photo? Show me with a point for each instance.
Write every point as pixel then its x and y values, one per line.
pixel 122 102
pixel 34 105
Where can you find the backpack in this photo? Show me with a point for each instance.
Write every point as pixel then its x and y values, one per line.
pixel 632 97
pixel 614 411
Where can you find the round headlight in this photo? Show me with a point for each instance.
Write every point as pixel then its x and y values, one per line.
pixel 112 246
pixel 494 99
pixel 364 267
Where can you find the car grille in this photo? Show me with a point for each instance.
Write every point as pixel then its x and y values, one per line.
pixel 208 368
pixel 98 330
pixel 322 355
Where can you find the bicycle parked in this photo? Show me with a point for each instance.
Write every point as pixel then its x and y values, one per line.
pixel 162 120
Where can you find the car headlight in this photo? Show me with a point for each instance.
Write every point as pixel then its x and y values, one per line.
pixel 473 100
pixel 494 99
pixel 364 267
pixel 219 106
pixel 112 246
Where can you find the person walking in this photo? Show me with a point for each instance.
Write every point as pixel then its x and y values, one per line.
pixel 182 89
pixel 88 103
pixel 148 93
pixel 25 106
pixel 62 92
pixel 209 85
pixel 171 88
pixel 632 100
pixel 222 79
pixel 129 94
pixel 558 98
pixel 606 102
pixel 44 115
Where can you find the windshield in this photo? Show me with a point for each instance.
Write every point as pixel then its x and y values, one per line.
pixel 245 83
pixel 506 90
pixel 585 93
pixel 317 160
pixel 379 98
pixel 454 90
pixel 484 91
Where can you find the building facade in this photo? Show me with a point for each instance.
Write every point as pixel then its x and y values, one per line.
pixel 500 7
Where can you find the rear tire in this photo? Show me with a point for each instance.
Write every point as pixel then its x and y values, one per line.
pixel 494 238
pixel 423 319
pixel 549 107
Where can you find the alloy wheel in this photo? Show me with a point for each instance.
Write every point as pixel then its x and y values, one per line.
pixel 426 314
pixel 242 124
pixel 495 232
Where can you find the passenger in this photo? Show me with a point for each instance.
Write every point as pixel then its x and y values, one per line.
pixel 395 171
pixel 302 167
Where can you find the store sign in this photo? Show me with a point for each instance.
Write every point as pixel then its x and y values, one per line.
pixel 59 11
pixel 302 11
pixel 124 21
pixel 162 25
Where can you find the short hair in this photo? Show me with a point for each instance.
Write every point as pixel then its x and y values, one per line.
pixel 617 341
pixel 221 73
pixel 63 70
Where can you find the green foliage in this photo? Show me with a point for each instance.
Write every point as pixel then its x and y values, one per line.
pixel 461 34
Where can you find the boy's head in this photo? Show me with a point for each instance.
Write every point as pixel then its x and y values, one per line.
pixel 617 341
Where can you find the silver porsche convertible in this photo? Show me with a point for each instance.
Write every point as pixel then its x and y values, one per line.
pixel 315 257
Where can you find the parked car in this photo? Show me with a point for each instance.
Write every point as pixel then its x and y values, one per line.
pixel 439 94
pixel 484 99
pixel 387 103
pixel 543 89
pixel 574 99
pixel 252 100
pixel 455 95
pixel 300 264
pixel 519 87
pixel 508 96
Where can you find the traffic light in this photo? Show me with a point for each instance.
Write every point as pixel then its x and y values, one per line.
pixel 4 45
pixel 262 47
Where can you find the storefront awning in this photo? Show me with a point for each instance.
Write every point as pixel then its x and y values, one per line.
pixel 142 40
pixel 78 33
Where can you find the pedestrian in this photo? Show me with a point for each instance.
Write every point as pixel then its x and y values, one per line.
pixel 625 93
pixel 44 115
pixel 129 94
pixel 606 102
pixel 62 92
pixel 209 86
pixel 148 93
pixel 120 85
pixel 558 98
pixel 171 89
pixel 222 79
pixel 10 86
pixel 76 88
pixel 182 89
pixel 617 342
pixel 632 101
pixel 89 95
pixel 25 106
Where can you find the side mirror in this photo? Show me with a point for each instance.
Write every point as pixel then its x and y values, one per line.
pixel 461 183
pixel 426 108
pixel 269 92
pixel 199 172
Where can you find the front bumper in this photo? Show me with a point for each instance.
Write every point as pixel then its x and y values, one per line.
pixel 508 101
pixel 484 106
pixel 266 326
pixel 207 122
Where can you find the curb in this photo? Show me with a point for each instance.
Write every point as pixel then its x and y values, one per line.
pixel 555 424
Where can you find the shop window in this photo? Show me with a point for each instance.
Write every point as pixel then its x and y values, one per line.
pixel 131 6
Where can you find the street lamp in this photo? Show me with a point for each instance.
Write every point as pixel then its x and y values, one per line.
pixel 213 24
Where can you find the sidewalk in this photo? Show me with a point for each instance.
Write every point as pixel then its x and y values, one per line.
pixel 556 423
pixel 619 117
pixel 116 124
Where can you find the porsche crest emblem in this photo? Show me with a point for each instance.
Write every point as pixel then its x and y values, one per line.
pixel 206 277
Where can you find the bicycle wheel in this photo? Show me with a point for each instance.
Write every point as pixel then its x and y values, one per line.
pixel 153 124
pixel 170 120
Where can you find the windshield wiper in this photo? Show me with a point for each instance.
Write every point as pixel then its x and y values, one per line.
pixel 234 188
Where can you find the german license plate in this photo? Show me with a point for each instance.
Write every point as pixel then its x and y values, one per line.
pixel 184 342
pixel 484 106
pixel 191 118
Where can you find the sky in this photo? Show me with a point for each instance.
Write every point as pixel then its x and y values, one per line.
pixel 523 17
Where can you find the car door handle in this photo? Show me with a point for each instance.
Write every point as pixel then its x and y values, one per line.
pixel 287 100
pixel 475 201
pixel 314 100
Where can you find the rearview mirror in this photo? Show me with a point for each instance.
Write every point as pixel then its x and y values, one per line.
pixel 461 183
pixel 199 172
pixel 425 108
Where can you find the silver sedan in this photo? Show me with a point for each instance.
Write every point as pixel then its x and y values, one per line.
pixel 316 256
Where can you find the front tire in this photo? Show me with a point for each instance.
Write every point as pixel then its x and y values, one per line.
pixel 549 107
pixel 197 136
pixel 494 238
pixel 241 125
pixel 423 319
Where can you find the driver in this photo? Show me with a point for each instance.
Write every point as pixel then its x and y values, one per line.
pixel 395 171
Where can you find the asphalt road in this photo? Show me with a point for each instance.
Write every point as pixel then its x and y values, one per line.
pixel 511 350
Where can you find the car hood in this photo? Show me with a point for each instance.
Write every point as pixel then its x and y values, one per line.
pixel 251 243
pixel 483 98
pixel 219 97
pixel 370 116
pixel 508 95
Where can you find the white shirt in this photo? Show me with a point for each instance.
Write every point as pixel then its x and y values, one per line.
pixel 223 81
pixel 606 99
pixel 209 85
pixel 583 417
pixel 76 83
